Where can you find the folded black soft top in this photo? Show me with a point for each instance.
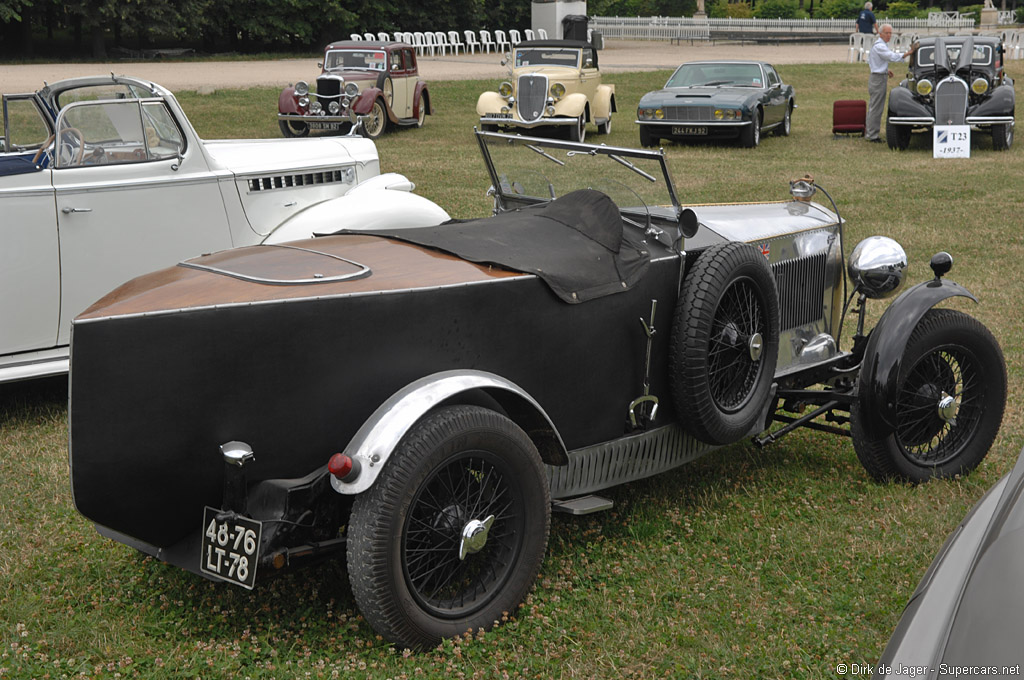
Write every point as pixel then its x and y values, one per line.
pixel 575 243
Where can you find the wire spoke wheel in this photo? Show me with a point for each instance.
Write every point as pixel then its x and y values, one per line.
pixel 470 488
pixel 732 370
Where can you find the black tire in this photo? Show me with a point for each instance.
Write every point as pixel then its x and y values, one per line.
pixel 376 121
pixel 421 111
pixel 750 136
pixel 458 465
pixel 720 379
pixel 948 353
pixel 605 128
pixel 1002 136
pixel 293 129
pixel 646 139
pixel 787 122
pixel 897 136
pixel 578 131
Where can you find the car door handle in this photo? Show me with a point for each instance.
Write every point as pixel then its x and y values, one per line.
pixel 68 211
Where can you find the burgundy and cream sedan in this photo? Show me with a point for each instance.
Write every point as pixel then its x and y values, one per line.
pixel 377 82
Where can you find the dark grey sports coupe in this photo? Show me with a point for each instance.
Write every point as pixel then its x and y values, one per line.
pixel 717 100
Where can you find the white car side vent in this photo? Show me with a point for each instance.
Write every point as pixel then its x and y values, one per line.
pixel 344 175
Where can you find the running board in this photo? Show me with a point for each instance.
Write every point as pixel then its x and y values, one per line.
pixel 582 505
pixel 34 369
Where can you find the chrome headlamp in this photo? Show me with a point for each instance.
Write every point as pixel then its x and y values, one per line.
pixel 979 86
pixel 557 90
pixel 351 89
pixel 333 107
pixel 316 108
pixel 302 88
pixel 505 89
pixel 924 87
pixel 877 266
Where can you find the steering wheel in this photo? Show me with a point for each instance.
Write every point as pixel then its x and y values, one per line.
pixel 74 132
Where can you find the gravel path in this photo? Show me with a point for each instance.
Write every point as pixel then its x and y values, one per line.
pixel 618 56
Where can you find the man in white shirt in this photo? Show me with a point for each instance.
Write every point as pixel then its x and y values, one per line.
pixel 878 61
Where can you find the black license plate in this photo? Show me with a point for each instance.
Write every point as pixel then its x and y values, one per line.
pixel 231 545
pixel 325 126
pixel 689 130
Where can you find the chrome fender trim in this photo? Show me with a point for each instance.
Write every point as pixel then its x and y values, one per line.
pixel 377 439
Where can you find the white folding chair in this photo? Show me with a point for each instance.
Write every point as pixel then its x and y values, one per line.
pixel 501 42
pixel 441 40
pixel 355 36
pixel 384 37
pixel 471 42
pixel 369 36
pixel 417 40
pixel 856 47
pixel 485 41
pixel 529 34
pixel 455 42
pixel 514 38
pixel 542 34
pixel 428 42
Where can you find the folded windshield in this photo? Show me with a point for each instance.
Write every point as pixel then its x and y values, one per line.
pixel 528 170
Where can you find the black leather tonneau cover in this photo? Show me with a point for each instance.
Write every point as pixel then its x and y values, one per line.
pixel 575 243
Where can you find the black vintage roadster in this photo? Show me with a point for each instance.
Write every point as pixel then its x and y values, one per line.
pixel 422 398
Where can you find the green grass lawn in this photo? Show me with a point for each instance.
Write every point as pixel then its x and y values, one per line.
pixel 779 563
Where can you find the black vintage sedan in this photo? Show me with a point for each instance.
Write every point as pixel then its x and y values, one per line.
pixel 954 80
pixel 717 100
pixel 421 399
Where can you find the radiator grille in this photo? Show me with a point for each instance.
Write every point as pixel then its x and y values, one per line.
pixel 328 86
pixel 801 286
pixel 532 93
pixel 689 113
pixel 268 183
pixel 951 102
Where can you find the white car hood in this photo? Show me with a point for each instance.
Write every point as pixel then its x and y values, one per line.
pixel 249 156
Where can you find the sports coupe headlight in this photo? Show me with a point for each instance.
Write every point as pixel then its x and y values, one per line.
pixel 659 114
pixel 726 114
pixel 558 90
pixel 979 86
pixel 351 89
pixel 877 266
pixel 505 89
pixel 924 87
pixel 302 88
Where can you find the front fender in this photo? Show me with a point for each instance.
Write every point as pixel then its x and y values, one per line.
pixel 903 104
pixel 372 207
pixel 287 102
pixel 1001 103
pixel 572 105
pixel 490 102
pixel 883 357
pixel 364 101
pixel 604 101
pixel 377 439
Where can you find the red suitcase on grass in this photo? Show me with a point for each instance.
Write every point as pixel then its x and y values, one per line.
pixel 848 116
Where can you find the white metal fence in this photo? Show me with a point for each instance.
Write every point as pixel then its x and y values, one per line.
pixel 668 28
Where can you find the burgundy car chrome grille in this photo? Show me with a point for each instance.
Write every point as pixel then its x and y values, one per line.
pixel 951 102
pixel 532 93
pixel 801 285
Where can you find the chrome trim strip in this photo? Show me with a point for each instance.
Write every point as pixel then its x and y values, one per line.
pixel 985 120
pixel 312 118
pixel 698 123
pixel 912 120
pixel 528 124
pixel 623 460
pixel 375 441
pixel 363 272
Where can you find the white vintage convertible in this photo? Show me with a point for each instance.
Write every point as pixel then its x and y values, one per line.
pixel 104 178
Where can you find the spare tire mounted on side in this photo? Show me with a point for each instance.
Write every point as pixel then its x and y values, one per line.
pixel 725 342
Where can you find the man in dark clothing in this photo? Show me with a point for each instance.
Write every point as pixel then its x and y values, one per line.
pixel 866 19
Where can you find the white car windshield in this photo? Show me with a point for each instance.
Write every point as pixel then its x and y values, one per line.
pixel 372 60
pixel 717 75
pixel 547 56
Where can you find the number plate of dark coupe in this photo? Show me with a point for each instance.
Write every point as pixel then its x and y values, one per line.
pixel 230 547
pixel 688 130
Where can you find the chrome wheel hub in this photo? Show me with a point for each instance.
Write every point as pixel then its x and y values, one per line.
pixel 948 408
pixel 474 536
pixel 755 345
